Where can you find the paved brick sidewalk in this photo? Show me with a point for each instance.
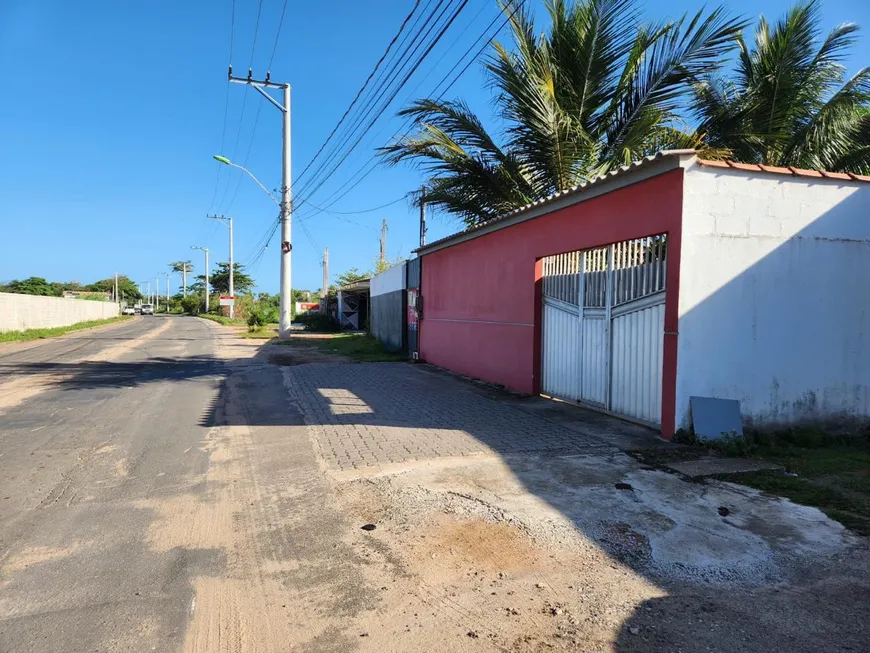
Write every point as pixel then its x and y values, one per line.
pixel 379 413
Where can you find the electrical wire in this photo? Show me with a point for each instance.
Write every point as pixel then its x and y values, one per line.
pixel 374 158
pixel 361 90
pixel 277 35
pixel 219 165
pixel 256 31
pixel 222 202
pixel 377 208
pixel 389 94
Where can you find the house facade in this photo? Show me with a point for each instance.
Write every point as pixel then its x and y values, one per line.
pixel 670 278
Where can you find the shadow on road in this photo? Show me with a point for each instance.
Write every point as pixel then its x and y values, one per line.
pixel 660 516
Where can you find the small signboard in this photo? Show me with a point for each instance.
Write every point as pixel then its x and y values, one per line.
pixel 228 300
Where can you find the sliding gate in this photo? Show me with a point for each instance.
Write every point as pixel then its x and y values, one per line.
pixel 603 326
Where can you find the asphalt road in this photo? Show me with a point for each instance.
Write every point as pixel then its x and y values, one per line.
pixel 135 513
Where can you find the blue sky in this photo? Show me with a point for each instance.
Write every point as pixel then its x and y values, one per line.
pixel 111 112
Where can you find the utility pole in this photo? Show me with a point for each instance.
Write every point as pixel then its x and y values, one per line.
pixel 157 294
pixel 286 315
pixel 168 274
pixel 324 295
pixel 383 243
pixel 229 222
pixel 205 251
pixel 422 216
pixel 184 272
pixel 116 287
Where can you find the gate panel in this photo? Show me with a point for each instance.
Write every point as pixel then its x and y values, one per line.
pixel 561 352
pixel 593 362
pixel 636 369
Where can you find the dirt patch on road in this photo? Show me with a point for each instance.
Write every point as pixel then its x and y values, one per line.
pixel 483 555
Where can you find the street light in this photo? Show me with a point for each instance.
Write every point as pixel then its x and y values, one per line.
pixel 226 161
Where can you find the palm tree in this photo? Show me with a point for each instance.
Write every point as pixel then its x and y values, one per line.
pixel 183 267
pixel 597 91
pixel 788 102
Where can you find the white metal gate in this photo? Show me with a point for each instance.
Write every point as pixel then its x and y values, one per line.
pixel 603 326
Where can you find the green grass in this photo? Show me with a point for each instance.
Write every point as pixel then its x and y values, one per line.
pixel 264 333
pixel 222 319
pixel 832 470
pixel 849 508
pixel 38 334
pixel 361 348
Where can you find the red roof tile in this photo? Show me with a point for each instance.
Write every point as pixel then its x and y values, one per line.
pixel 799 172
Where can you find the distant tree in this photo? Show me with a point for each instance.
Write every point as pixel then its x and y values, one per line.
pixel 128 289
pixel 350 277
pixel 181 267
pixel 33 286
pixel 220 279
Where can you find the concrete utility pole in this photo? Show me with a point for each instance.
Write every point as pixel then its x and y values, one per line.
pixel 383 242
pixel 184 272
pixel 422 216
pixel 229 222
pixel 205 251
pixel 116 287
pixel 286 315
pixel 324 294
pixel 168 289
pixel 157 294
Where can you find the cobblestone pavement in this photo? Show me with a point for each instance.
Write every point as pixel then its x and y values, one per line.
pixel 373 414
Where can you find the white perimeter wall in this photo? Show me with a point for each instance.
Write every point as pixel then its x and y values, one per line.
pixel 19 312
pixel 388 281
pixel 774 295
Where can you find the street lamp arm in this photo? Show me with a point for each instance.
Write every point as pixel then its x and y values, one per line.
pixel 226 161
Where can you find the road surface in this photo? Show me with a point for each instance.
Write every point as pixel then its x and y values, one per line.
pixel 165 486
pixel 134 513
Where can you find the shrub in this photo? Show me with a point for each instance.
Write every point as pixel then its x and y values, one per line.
pixel 191 304
pixel 319 322
pixel 255 319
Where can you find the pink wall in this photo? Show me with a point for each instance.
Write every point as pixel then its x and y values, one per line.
pixel 481 298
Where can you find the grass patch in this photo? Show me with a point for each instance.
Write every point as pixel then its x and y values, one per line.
pixel 850 509
pixel 361 348
pixel 263 333
pixel 832 469
pixel 223 319
pixel 39 334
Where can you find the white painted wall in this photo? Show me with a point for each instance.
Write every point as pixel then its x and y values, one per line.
pixel 390 280
pixel 19 312
pixel 774 304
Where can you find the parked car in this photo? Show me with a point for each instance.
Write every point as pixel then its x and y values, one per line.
pixel 128 310
pixel 147 309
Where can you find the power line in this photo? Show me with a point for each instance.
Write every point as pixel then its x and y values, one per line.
pixel 277 35
pixel 217 180
pixel 361 90
pixel 374 157
pixel 389 99
pixel 384 89
pixel 377 208
pixel 256 31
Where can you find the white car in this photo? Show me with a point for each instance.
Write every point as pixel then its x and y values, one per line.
pixel 128 310
pixel 147 309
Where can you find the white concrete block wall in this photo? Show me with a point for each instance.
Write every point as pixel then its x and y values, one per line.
pixel 773 304
pixel 388 281
pixel 20 312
